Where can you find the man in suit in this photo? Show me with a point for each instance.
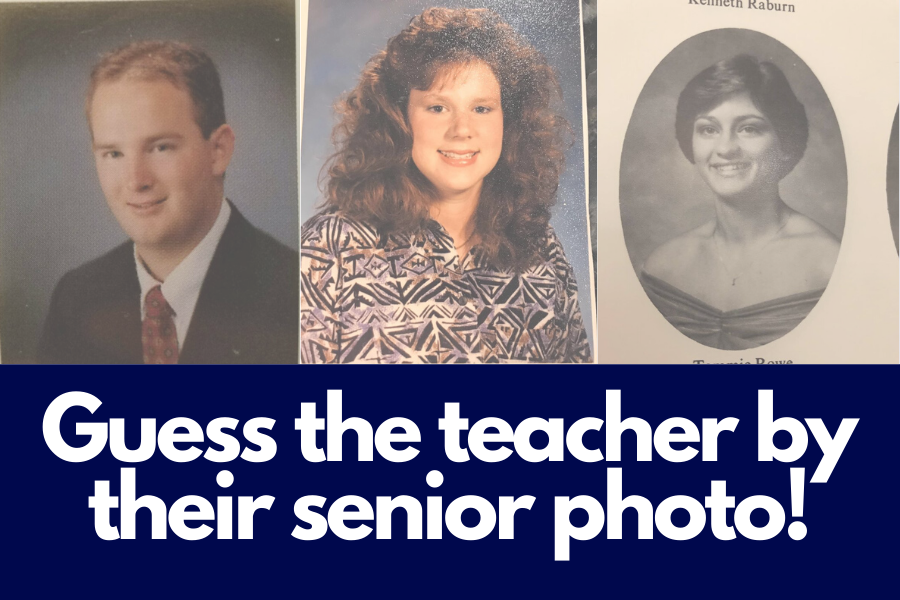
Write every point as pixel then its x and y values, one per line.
pixel 197 283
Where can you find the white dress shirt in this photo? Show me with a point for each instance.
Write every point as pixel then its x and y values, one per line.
pixel 181 288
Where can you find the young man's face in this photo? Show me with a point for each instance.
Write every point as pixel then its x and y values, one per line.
pixel 161 178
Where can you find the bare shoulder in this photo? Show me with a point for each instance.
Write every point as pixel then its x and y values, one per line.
pixel 670 259
pixel 813 245
pixel 804 227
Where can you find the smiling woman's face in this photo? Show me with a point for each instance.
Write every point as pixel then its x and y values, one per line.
pixel 736 149
pixel 457 129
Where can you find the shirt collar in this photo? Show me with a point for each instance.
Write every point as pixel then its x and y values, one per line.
pixel 181 288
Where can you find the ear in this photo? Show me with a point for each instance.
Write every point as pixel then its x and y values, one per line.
pixel 222 142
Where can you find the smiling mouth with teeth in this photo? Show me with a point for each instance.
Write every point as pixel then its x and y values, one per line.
pixel 456 156
pixel 731 167
pixel 146 205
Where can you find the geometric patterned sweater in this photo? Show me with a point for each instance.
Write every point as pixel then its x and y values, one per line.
pixel 405 298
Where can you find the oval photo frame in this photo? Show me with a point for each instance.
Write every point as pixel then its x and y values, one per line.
pixel 666 201
pixel 893 166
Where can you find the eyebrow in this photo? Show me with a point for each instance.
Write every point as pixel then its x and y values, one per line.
pixel 165 136
pixel 435 96
pixel 148 142
pixel 738 118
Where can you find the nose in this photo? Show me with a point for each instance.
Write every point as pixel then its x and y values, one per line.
pixel 728 145
pixel 140 176
pixel 460 127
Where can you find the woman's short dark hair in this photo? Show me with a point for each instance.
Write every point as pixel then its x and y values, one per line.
pixel 768 88
pixel 372 175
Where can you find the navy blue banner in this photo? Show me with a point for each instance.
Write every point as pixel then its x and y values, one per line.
pixel 56 512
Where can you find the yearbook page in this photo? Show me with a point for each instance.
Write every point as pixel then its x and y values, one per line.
pixel 743 155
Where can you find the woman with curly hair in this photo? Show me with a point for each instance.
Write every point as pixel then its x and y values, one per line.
pixel 434 243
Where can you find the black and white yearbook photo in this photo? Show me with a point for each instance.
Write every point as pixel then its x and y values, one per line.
pixel 733 189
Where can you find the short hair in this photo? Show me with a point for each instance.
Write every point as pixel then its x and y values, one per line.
pixel 185 66
pixel 767 87
pixel 372 175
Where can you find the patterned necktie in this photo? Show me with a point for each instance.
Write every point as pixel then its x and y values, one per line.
pixel 158 330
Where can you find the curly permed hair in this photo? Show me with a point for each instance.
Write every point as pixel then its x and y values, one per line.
pixel 372 176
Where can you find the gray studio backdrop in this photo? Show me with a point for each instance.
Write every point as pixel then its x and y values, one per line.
pixel 662 195
pixel 343 35
pixel 53 216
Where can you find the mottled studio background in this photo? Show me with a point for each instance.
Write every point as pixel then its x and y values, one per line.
pixel 589 20
pixel 53 216
pixel 661 193
pixel 344 34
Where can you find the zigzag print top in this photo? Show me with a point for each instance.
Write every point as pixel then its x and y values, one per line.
pixel 405 298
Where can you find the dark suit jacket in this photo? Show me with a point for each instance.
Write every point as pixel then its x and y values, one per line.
pixel 247 311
